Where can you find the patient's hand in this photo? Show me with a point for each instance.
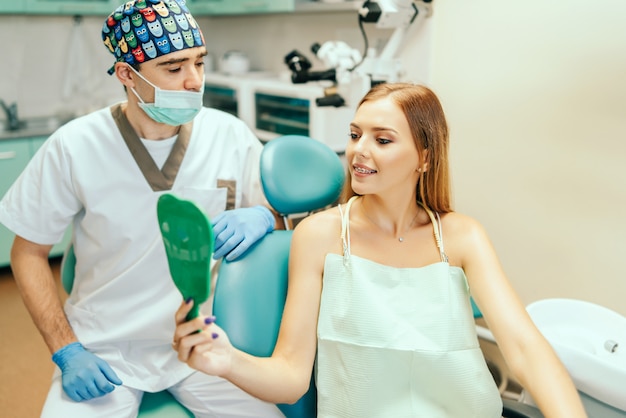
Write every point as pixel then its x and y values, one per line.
pixel 201 343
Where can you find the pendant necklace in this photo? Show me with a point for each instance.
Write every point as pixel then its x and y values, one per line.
pixel 401 239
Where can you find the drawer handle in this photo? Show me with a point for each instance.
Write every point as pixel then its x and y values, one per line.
pixel 7 155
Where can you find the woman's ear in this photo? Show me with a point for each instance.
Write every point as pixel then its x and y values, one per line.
pixel 424 163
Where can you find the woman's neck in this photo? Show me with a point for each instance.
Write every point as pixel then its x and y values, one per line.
pixel 393 218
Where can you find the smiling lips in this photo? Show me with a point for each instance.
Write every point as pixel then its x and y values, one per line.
pixel 363 170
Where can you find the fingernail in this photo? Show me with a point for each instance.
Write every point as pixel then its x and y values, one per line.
pixel 188 300
pixel 209 320
pixel 215 335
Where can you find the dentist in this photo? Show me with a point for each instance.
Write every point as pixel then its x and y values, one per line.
pixel 103 173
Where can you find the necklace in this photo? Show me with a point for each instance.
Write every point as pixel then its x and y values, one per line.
pixel 401 239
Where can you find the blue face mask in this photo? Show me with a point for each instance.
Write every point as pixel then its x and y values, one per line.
pixel 172 107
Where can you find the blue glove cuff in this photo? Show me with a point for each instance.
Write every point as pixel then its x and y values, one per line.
pixel 63 354
pixel 269 217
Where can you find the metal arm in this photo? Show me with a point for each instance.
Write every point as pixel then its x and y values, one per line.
pixel 389 14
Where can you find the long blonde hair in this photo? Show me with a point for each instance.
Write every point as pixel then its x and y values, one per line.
pixel 429 129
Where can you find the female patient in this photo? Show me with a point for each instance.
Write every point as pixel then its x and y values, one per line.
pixel 379 290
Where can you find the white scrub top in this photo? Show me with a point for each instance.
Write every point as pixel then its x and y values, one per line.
pixel 123 301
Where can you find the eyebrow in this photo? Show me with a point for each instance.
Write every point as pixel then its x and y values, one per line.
pixel 376 128
pixel 179 60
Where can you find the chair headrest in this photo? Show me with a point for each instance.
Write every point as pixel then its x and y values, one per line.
pixel 300 174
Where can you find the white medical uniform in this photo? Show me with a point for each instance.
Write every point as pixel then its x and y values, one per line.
pixel 123 301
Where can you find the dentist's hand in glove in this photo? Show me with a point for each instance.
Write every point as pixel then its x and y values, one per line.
pixel 85 376
pixel 236 230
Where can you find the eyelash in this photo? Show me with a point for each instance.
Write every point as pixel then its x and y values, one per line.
pixel 177 69
pixel 383 141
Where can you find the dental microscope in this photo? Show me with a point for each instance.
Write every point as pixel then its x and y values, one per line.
pixel 353 73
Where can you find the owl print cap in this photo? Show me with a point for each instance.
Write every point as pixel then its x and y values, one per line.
pixel 141 30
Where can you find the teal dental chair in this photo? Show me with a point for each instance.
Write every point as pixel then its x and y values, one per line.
pixel 299 175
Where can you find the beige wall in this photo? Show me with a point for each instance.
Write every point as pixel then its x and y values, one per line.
pixel 536 100
pixel 535 93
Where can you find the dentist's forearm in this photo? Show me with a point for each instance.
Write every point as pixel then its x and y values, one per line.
pixel 37 286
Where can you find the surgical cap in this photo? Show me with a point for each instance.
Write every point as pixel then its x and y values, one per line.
pixel 141 30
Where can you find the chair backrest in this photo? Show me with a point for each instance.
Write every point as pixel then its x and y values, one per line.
pixel 248 304
pixel 68 266
pixel 299 175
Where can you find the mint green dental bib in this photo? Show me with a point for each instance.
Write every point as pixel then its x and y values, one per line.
pixel 399 342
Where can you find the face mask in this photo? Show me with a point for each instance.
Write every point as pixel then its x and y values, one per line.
pixel 172 107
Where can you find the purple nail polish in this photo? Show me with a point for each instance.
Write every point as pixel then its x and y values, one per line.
pixel 188 300
pixel 209 320
pixel 214 335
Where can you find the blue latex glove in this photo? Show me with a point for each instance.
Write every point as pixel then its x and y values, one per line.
pixel 236 230
pixel 85 375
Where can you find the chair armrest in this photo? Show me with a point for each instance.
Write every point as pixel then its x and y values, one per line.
pixel 515 409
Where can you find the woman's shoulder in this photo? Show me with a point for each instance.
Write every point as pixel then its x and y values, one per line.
pixel 462 229
pixel 459 222
pixel 316 236
pixel 323 226
pixel 324 220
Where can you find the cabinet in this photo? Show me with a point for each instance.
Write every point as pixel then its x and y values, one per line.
pixel 233 7
pixel 313 6
pixel 14 156
pixel 13 7
pixel 198 7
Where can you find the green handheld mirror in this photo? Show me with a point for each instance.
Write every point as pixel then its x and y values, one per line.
pixel 188 238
